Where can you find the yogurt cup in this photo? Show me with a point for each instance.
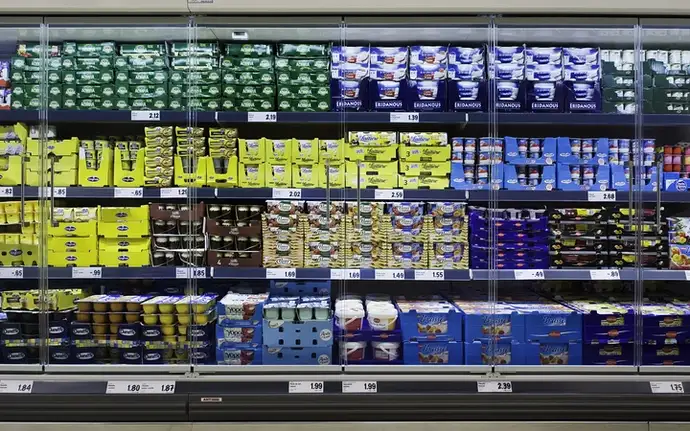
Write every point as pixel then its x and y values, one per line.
pixel 349 318
pixel 386 351
pixel 382 318
pixel 353 350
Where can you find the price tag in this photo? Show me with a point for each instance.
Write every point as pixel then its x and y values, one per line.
pixel 6 192
pixel 16 386
pixel 81 272
pixel 281 273
pixel 305 388
pixel 146 116
pixel 190 272
pixel 352 274
pixel 495 386
pixel 667 387
pixel 429 274
pixel 262 117
pixel 287 193
pixel 404 117
pixel 604 274
pixel 58 192
pixel 601 196
pixel 529 274
pixel 360 387
pixel 337 274
pixel 123 192
pixel 389 274
pixel 140 387
pixel 174 192
pixel 11 272
pixel 388 195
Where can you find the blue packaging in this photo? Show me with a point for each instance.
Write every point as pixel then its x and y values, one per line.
pixel 131 355
pixel 202 354
pixel 238 335
pixel 388 55
pixel 601 181
pixel 84 355
pixel 387 95
pixel 608 354
pixel 507 72
pixel 466 95
pixel 600 155
pixel 507 54
pixel 459 182
pixel 310 333
pixel 582 73
pixel 59 354
pixel 436 320
pixel 484 321
pixel 510 95
pixel 433 353
pixel 466 72
pixel 656 335
pixel 547 55
pixel 546 182
pixel 239 354
pixel 666 354
pixel 621 183
pixel 583 97
pixel 481 353
pixel 388 72
pixel 465 55
pixel 297 356
pixel 513 155
pixel 350 71
pixel 350 54
pixel 545 96
pixel 428 72
pixel 674 183
pixel 576 56
pixel 424 96
pixel 544 72
pixel 428 54
pixel 349 95
pixel 300 288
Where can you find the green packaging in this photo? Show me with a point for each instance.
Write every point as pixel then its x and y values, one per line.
pixel 97 49
pixel 30 77
pixel 148 77
pixel 151 49
pixel 229 105
pixel 249 91
pixel 196 78
pixel 146 63
pixel 248 78
pixel 303 105
pixel 89 91
pixel 147 91
pixel 303 78
pixel 204 104
pixel 94 63
pixel 160 102
pixel 176 104
pixel 54 91
pixel 94 77
pixel 69 102
pixel 255 104
pixel 17 102
pixel 34 64
pixel 55 102
pixel 121 62
pixel 88 104
pixel 302 64
pixel 248 64
pixel 68 63
pixel 114 103
pixel 191 64
pixel 304 92
pixel 69 76
pixel 199 49
pixel 69 90
pixel 305 50
pixel 122 77
pixel 32 103
pixel 248 50
pixel 202 91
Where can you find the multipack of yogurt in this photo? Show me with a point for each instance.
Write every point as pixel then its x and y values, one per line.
pixel 349 73
pixel 582 76
pixel 387 77
pixel 544 75
pixel 426 89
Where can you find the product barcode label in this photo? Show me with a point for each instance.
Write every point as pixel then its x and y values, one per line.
pixel 389 274
pixel 388 195
pixel 190 272
pixel 280 273
pixel 10 272
pixel 146 116
pixel 123 192
pixel 495 386
pixel 262 117
pixel 16 386
pixel 404 117
pixel 140 387
pixel 6 192
pixel 529 274
pixel 667 387
pixel 174 192
pixel 601 196
pixel 360 387
pixel 305 387
pixel 287 193
pixel 604 274
pixel 86 272
pixel 429 274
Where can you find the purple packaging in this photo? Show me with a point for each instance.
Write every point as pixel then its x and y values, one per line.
pixel 5 98
pixel 507 54
pixel 544 72
pixel 465 55
pixel 350 54
pixel 547 55
pixel 466 72
pixel 545 96
pixel 581 73
pixel 510 95
pixel 580 56
pixel 428 54
pixel 388 55
pixel 428 72
pixel 387 95
pixel 582 97
pixel 349 95
pixel 388 72
pixel 507 71
pixel 467 95
pixel 426 96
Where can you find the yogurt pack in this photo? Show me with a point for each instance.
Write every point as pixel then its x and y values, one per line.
pixel 387 78
pixel 544 75
pixel 466 79
pixel 349 72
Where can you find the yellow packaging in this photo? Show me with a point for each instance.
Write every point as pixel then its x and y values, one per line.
pixel 61 179
pixel 373 138
pixel 59 148
pixel 11 170
pixel 128 178
pixel 306 176
pixel 413 153
pixel 278 151
pixel 332 176
pixel 252 175
pixel 20 130
pixel 14 299
pixel 228 179
pixel 55 299
pixel 81 229
pixel 64 259
pixel 191 179
pixel 435 169
pixel 59 163
pixel 132 259
pixel 371 174
pixel 424 182
pixel 118 214
pixel 101 177
pixel 424 138
pixel 61 243
pixel 372 168
pixel 278 175
pixel 305 151
pixel 373 153
pixel 332 150
pixel 252 150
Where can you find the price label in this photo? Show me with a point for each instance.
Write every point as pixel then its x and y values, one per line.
pixel 360 387
pixel 81 272
pixel 16 386
pixel 190 272
pixel 529 274
pixel 389 195
pixel 58 192
pixel 604 274
pixel 352 274
pixel 305 387
pixel 429 274
pixel 11 272
pixel 404 117
pixel 123 192
pixel 262 117
pixel 174 192
pixel 337 274
pixel 389 274
pixel 667 387
pixel 146 116
pixel 495 386
pixel 140 387
pixel 6 192
pixel 281 273
pixel 287 193
pixel 601 196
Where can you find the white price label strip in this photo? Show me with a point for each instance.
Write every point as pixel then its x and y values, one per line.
pixel 345 274
pixel 404 117
pixel 604 274
pixel 146 116
pixel 6 192
pixel 123 192
pixel 280 273
pixel 529 274
pixel 305 387
pixel 495 386
pixel 389 274
pixel 429 274
pixel 601 196
pixel 388 195
pixel 174 192
pixel 687 275
pixel 190 272
pixel 140 387
pixel 287 193
pixel 262 117
pixel 667 387
pixel 86 272
pixel 16 386
pixel 58 192
pixel 360 387
pixel 10 272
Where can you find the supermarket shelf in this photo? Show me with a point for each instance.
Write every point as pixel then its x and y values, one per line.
pixel 337 274
pixel 87 371
pixel 560 369
pixel 667 370
pixel 20 368
pixel 416 369
pixel 170 272
pixel 270 371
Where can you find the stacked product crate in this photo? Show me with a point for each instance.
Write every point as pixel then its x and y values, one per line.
pixel 585 164
pixel 387 78
pixel 349 78
pixel 248 77
pixel 529 164
pixel 72 237
pixel 124 236
pixel 252 166
pixel 278 162
pixel 194 76
pixel 618 81
pixel 544 79
pixel 61 162
pixel 18 238
pixel 371 160
pixel 158 160
pixel 179 238
pixel 235 235
pixel 367 231
pixel 26 76
pixel 582 76
pixel 426 84
pixel 507 70
pixel 331 163
pixel 95 163
pixel 424 160
pixel 448 236
pixel 221 169
pixel 283 229
pixel 144 69
pixel 239 339
pixel 308 92
pixel 476 163
pixel 190 157
pixel 324 245
pixel 466 79
pixel 92 77
pixel 409 234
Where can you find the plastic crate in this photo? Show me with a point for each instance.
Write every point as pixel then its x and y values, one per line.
pixel 309 333
pixel 433 353
pixel 297 356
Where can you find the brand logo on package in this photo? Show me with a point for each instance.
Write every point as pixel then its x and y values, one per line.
pixel 150 333
pixel 326 334
pixel 16 356
pixel 681 186
pixel 70 228
pixel 11 331
pixel 152 356
pixel 15 252
pixel 56 330
pixel 93 179
pixel 554 321
pixel 199 354
pixel 127 179
pixel 580 106
pixel 545 106
pixel 85 356
pixel 71 258
pixel 349 103
pixel 123 258
pixel 131 356
pixel 324 360
pixel 128 332
pixel 80 331
pixel 123 228
pixel 60 356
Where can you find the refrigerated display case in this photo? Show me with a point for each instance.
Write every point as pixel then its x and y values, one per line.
pixel 241 218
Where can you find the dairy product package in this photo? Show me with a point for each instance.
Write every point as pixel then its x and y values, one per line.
pixel 4 73
pixel 510 95
pixel 425 54
pixel 507 71
pixel 466 72
pixel 544 72
pixel 465 55
pixel 426 95
pixel 388 55
pixel 545 96
pixel 582 72
pixel 349 95
pixel 350 71
pixel 387 72
pixel 349 54
pixel 428 72
pixel 577 56
pixel 543 55
pixel 507 55
pixel 467 95
pixel 386 95
pixel 583 96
